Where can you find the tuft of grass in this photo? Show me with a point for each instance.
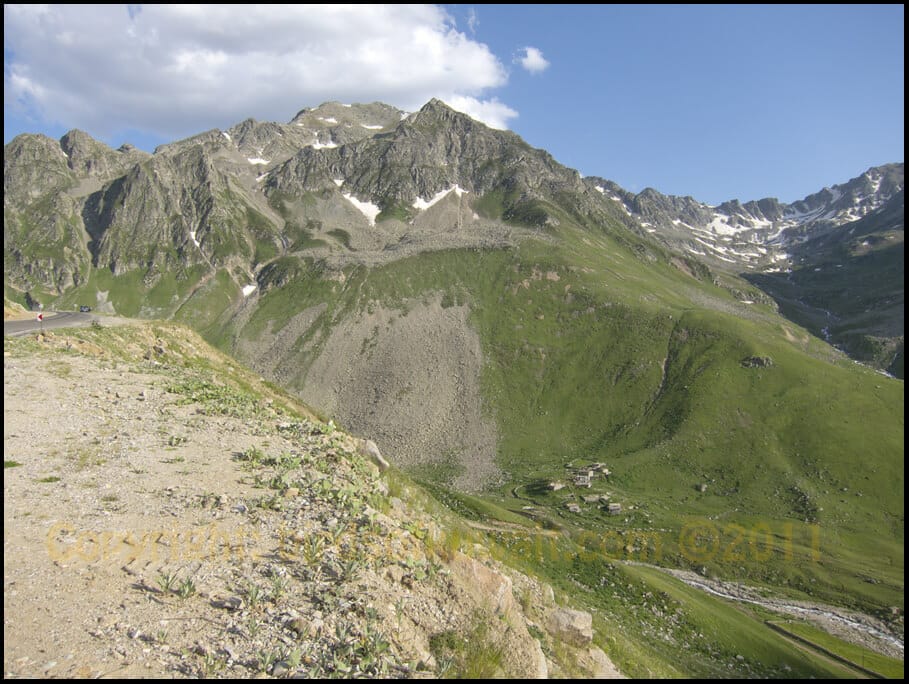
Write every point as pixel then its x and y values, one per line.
pixel 89 456
pixel 474 655
pixel 60 368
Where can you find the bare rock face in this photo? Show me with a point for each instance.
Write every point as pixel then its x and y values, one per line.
pixel 491 592
pixel 572 626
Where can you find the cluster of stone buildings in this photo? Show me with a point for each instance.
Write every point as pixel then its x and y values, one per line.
pixel 584 477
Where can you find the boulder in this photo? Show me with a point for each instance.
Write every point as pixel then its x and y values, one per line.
pixel 572 626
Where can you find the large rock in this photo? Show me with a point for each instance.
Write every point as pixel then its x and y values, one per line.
pixel 572 626
pixel 490 588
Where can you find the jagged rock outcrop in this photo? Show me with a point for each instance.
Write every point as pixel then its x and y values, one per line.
pixel 43 243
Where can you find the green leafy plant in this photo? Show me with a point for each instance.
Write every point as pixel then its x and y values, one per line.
pixel 167 581
pixel 267 659
pixel 187 588
pixel 253 594
pixel 278 587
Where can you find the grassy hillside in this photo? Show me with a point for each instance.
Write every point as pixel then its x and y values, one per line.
pixel 597 349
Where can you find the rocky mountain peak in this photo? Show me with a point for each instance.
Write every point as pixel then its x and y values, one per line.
pixel 90 157
pixel 31 147
pixel 436 113
pixel 429 152
pixel 77 139
pixel 32 166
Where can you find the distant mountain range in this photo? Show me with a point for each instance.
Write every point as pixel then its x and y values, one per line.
pixel 763 233
pixel 234 199
pixel 833 261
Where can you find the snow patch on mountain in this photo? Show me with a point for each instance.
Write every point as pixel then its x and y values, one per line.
pixel 368 209
pixel 420 203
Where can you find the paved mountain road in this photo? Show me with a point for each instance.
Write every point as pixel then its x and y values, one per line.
pixel 56 319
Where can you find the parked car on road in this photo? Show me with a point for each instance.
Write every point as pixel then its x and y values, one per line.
pixel 85 309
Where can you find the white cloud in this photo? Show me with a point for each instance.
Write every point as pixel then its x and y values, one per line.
pixel 533 60
pixel 472 20
pixel 174 70
pixel 491 112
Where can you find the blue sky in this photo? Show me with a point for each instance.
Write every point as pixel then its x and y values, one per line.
pixel 714 102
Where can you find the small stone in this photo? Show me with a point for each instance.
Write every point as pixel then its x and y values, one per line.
pixel 298 625
pixel 231 603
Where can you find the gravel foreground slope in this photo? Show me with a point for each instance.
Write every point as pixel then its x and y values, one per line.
pixel 168 514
